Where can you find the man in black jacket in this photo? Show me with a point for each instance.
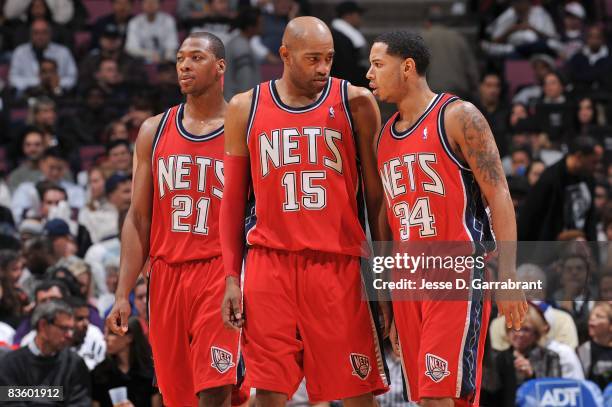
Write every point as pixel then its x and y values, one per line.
pixel 563 197
pixel 350 58
pixel 48 360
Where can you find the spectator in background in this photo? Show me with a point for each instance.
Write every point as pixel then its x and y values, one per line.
pixel 62 240
pixel 575 293
pixel 115 130
pixel 563 197
pixel 53 166
pixel 596 354
pixel 494 109
pixel 453 65
pixel 605 287
pixel 542 65
pixel 522 29
pixel 108 77
pixel 14 302
pixel 33 146
pixel 128 364
pixel 24 70
pixel 167 93
pixel 590 68
pixel 152 34
pixel 274 23
pixel 46 290
pixel 554 112
pixel 586 119
pixel 118 189
pixel 48 360
pixel 99 216
pixel 111 47
pixel 116 22
pixel 191 9
pixel 49 82
pixel 92 116
pixel 524 360
pixel 534 172
pixel 520 161
pixel 139 110
pixel 217 20
pixel 572 33
pixel 87 340
pixel 242 72
pixel 351 47
pixel 119 156
pixel 562 328
pixel 62 11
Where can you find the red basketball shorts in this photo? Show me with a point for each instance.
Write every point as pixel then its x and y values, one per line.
pixel 442 344
pixel 305 317
pixel 192 350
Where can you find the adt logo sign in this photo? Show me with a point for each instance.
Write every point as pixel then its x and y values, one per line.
pixel 561 397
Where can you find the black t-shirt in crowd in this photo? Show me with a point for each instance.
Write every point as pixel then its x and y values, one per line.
pixel 600 371
pixel 107 375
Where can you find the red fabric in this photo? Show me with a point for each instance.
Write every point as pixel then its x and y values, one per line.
pixel 188 187
pixel 233 207
pixel 192 350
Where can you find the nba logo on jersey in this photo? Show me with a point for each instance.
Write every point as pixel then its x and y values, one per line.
pixel 425 134
pixel 361 365
pixel 436 367
pixel 221 359
pixel 332 114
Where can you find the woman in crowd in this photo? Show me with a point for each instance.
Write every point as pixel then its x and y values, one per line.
pixel 99 216
pixel 524 360
pixel 596 354
pixel 14 302
pixel 129 365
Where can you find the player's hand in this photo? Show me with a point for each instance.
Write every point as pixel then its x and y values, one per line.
pixel 394 338
pixel 117 320
pixel 231 308
pixel 513 309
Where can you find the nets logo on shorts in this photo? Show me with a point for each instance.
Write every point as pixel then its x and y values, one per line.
pixel 436 367
pixel 221 359
pixel 361 365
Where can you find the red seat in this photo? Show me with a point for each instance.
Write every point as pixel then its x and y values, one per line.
pixel 3 163
pixel 4 71
pixel 89 155
pixel 19 114
pixel 518 73
pixel 97 9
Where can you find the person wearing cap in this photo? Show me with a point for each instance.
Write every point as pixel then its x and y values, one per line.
pixel 116 22
pixel 62 240
pixel 542 65
pixel 350 45
pixel 563 197
pixel 110 46
pixel 590 68
pixel 572 34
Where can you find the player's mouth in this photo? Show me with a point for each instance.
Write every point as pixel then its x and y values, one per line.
pixel 184 80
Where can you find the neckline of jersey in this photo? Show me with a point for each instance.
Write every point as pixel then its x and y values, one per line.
pixel 278 101
pixel 403 134
pixel 194 137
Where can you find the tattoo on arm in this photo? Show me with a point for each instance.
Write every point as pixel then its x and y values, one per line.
pixel 479 144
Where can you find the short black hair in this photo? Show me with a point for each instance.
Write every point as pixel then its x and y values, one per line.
pixel 116 143
pixel 76 302
pixel 49 61
pixel 46 285
pixel 247 17
pixel 54 152
pixel 42 187
pixel 405 44
pixel 215 45
pixel 583 144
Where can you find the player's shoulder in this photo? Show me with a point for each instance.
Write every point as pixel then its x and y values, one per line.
pixel 241 100
pixel 459 109
pixel 147 132
pixel 239 107
pixel 359 93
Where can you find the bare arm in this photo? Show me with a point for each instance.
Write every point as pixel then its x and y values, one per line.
pixel 472 139
pixel 366 118
pixel 137 225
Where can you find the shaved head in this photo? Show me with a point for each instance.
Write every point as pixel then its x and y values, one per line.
pixel 304 30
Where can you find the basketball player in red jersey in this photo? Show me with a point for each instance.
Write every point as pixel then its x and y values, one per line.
pixel 173 220
pixel 301 142
pixel 437 158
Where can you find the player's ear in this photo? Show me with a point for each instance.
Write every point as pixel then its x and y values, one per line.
pixel 283 51
pixel 408 66
pixel 221 66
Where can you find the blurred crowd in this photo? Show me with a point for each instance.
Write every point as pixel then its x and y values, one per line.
pixel 78 78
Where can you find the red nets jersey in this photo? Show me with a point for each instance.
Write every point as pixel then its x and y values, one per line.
pixel 430 193
pixel 305 173
pixel 187 191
